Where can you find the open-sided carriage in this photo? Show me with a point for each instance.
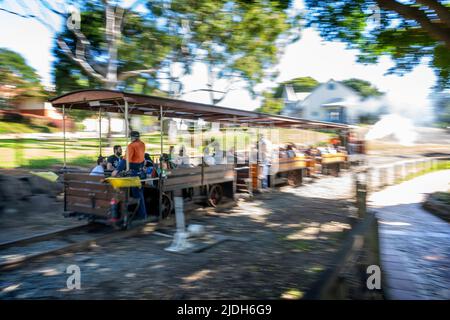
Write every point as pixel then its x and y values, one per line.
pixel 332 163
pixel 103 198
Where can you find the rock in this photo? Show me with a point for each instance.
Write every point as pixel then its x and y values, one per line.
pixel 39 185
pixel 13 188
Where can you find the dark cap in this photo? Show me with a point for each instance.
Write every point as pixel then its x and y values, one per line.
pixel 134 134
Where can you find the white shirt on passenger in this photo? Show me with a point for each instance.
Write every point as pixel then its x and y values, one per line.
pixel 97 171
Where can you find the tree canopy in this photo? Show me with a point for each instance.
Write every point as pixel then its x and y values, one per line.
pixel 231 37
pixel 300 84
pixel 363 87
pixel 18 75
pixel 270 104
pixel 407 31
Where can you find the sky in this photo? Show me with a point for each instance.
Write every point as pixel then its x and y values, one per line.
pixel 310 56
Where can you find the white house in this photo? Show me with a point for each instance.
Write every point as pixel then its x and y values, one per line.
pixel 331 101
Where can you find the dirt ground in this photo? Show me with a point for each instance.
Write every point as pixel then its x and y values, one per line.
pixel 285 239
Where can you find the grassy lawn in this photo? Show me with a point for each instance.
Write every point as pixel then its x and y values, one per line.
pixel 14 127
pixel 440 165
pixel 45 153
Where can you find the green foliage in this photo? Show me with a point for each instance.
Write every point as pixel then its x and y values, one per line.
pixel 442 196
pixel 270 104
pixel 238 39
pixel 300 84
pixel 14 127
pixel 396 33
pixel 363 87
pixel 142 46
pixel 15 72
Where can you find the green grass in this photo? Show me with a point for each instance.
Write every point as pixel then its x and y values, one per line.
pixel 43 163
pixel 36 153
pixel 15 127
pixel 440 165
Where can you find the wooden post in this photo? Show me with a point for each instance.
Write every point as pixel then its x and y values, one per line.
pixel 361 197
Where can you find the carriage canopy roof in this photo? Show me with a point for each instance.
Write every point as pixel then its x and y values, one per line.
pixel 139 104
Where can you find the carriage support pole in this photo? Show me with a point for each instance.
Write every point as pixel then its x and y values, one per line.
pixel 100 131
pixel 160 184
pixel 64 133
pixel 126 133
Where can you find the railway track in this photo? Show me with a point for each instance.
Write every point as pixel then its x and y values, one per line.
pixel 15 254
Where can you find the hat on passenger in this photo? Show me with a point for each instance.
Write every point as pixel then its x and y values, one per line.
pixel 134 134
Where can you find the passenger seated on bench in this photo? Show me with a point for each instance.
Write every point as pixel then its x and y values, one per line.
pixel 172 153
pixel 231 155
pixel 182 160
pixel 114 159
pixel 99 169
pixel 149 169
pixel 148 165
pixel 209 160
pixel 290 151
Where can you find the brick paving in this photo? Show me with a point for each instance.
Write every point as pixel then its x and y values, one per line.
pixel 414 244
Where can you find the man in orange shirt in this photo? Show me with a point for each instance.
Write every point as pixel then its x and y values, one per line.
pixel 135 151
pixel 135 155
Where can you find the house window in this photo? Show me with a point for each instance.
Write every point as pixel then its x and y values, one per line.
pixel 334 115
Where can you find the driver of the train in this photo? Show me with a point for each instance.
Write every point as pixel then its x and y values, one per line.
pixel 136 156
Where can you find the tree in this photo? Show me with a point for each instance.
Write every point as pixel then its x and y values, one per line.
pixel 237 40
pixel 17 77
pixel 117 47
pixel 113 48
pixel 363 87
pixel 300 84
pixel 407 31
pixel 270 104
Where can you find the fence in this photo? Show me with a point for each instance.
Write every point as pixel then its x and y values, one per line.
pixel 386 175
pixel 361 247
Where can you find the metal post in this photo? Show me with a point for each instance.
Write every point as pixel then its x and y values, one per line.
pixel 100 131
pixel 64 133
pixel 224 144
pixel 235 143
pixel 160 187
pixel 126 134
pixel 161 127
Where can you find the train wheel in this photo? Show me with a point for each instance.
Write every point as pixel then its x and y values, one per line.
pixel 166 206
pixel 294 178
pixel 215 195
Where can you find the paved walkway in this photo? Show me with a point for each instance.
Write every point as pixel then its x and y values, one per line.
pixel 414 244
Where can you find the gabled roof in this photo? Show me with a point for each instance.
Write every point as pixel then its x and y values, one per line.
pixel 114 101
